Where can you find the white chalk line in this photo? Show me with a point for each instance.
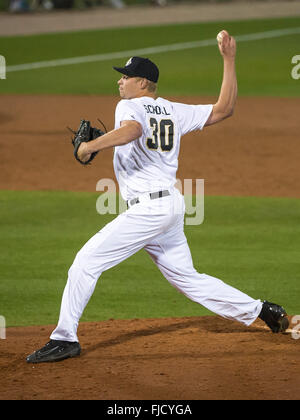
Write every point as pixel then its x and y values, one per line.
pixel 150 50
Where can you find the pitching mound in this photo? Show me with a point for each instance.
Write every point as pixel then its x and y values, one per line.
pixel 173 359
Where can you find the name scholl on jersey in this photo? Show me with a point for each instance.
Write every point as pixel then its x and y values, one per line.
pixel 157 110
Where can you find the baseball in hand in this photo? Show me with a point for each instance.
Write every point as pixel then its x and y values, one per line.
pixel 220 36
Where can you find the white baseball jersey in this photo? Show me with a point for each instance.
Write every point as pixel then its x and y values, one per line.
pixel 150 163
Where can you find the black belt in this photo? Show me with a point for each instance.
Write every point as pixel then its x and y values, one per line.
pixel 153 196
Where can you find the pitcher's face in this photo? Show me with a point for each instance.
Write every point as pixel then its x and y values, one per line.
pixel 130 87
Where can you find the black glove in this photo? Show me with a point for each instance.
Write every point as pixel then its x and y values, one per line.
pixel 85 133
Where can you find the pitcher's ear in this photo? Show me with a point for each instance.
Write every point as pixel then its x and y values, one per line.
pixel 144 83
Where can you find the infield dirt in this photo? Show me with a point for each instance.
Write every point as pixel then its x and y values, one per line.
pixel 254 153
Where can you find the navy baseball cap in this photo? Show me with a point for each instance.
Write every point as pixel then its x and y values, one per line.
pixel 140 67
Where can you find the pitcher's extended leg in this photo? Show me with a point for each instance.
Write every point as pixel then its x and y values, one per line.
pixel 171 254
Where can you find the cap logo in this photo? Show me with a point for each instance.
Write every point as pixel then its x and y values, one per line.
pixel 128 62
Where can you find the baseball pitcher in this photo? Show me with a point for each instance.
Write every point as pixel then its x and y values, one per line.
pixel 146 141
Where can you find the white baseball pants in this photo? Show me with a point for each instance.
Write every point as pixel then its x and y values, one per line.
pixel 156 225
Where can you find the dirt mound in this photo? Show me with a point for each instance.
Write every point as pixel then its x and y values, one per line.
pixel 178 358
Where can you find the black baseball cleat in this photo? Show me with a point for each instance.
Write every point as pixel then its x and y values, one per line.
pixel 55 351
pixel 274 316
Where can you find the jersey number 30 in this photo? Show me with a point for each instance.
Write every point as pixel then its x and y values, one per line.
pixel 162 135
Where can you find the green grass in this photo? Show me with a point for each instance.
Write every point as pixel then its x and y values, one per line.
pixel 263 66
pixel 250 243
